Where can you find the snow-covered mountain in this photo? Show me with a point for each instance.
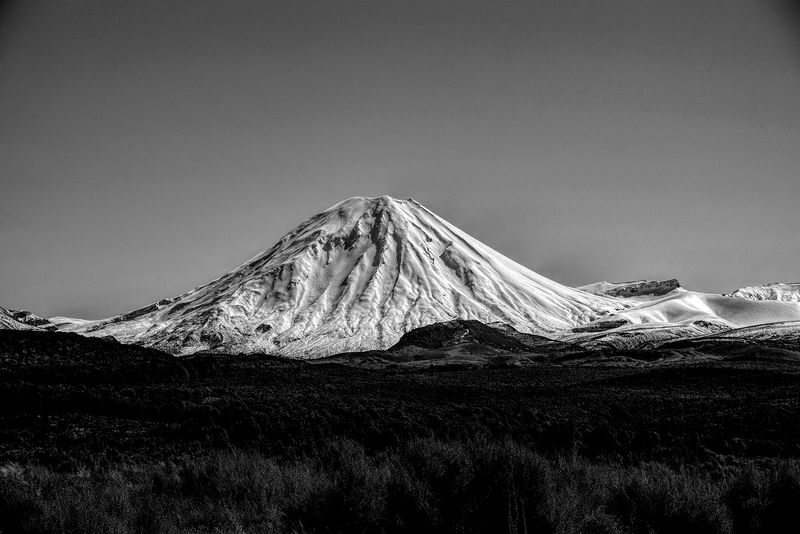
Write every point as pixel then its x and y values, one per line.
pixel 355 277
pixel 774 291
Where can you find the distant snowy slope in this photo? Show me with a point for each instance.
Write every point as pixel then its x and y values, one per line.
pixel 70 324
pixel 681 314
pixel 775 291
pixel 9 320
pixel 684 306
pixel 356 277
pixel 634 289
pixel 643 335
pixel 785 334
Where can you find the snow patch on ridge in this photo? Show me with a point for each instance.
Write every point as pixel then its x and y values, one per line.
pixel 775 291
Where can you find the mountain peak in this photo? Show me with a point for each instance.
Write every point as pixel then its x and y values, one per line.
pixel 356 277
pixel 381 198
pixel 357 206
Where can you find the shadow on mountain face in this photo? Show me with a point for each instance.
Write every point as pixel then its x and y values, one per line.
pixel 466 343
pixel 459 343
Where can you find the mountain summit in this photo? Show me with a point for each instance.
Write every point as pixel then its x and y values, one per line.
pixel 356 276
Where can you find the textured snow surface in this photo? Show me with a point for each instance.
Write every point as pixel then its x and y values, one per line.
pixel 355 277
pixel 644 335
pixel 70 324
pixel 637 289
pixel 786 334
pixel 683 306
pixel 10 320
pixel 681 314
pixel 774 291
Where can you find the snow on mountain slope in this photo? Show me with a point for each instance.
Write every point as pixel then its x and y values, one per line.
pixel 682 306
pixel 680 314
pixel 9 321
pixel 774 291
pixel 70 324
pixel 356 277
pixel 783 334
pixel 642 335
pixel 648 289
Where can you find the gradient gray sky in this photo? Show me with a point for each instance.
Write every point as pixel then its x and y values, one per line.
pixel 148 147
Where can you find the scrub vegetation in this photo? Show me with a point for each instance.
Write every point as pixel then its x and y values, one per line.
pixel 101 437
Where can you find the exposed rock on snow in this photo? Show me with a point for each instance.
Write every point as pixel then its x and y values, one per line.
pixel 355 277
pixel 23 320
pixel 637 288
pixel 642 335
pixel 8 322
pixel 774 291
pixel 782 335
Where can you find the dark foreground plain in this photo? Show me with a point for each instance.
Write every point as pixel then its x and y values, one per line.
pixel 101 437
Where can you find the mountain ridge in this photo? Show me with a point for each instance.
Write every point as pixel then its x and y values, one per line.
pixel 781 291
pixel 362 273
pixel 355 277
pixel 23 320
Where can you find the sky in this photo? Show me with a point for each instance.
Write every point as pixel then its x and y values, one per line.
pixel 148 147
